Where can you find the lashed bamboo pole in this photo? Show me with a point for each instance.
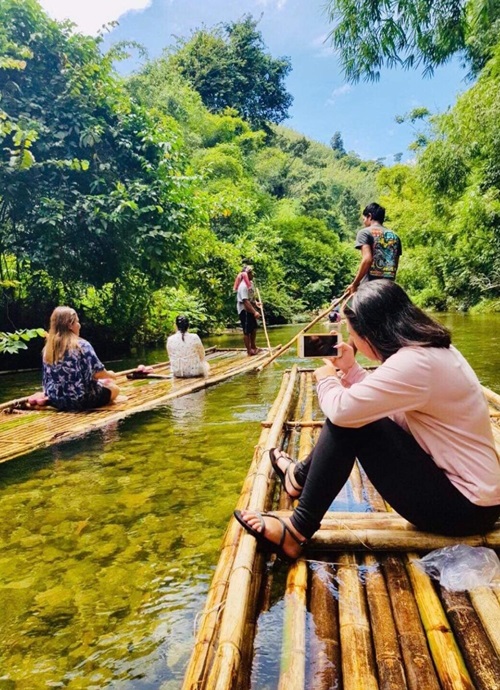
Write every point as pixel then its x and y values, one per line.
pixel 448 660
pixel 203 650
pixel 225 667
pixel 293 657
pixel 320 316
pixel 487 606
pixel 358 663
pixel 419 669
pixel 482 662
pixel 263 320
pixel 342 537
pixel 325 660
pixel 491 396
pixel 387 653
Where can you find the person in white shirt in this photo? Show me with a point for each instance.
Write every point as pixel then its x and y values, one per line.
pixel 186 352
pixel 247 311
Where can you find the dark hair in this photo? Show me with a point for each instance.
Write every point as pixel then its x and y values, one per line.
pixel 376 211
pixel 382 313
pixel 182 323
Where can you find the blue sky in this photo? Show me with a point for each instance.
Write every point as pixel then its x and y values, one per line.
pixel 323 102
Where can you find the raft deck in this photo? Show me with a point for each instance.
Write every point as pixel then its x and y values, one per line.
pixel 22 430
pixel 357 613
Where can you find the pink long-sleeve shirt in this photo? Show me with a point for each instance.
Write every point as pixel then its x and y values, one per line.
pixel 435 395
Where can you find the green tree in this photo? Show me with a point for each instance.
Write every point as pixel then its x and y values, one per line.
pixel 370 34
pixel 337 144
pixel 229 67
pixel 92 185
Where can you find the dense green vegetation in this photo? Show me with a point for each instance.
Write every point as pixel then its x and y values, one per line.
pixel 135 199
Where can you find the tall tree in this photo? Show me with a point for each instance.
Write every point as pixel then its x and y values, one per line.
pixel 370 34
pixel 91 185
pixel 229 67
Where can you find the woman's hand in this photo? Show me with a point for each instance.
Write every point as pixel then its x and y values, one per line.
pixel 345 359
pixel 327 370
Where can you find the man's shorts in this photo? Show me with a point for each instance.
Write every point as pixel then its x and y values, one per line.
pixel 248 322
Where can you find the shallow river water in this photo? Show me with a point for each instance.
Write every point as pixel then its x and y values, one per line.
pixel 108 544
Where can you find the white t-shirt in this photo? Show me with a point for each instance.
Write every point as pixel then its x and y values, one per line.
pixel 187 357
pixel 244 293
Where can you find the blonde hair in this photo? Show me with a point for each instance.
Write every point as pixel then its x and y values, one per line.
pixel 60 338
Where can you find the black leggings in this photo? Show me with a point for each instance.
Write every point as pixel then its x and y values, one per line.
pixel 404 474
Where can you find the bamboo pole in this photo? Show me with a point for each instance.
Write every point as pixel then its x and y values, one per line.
pixel 263 319
pixel 325 670
pixel 419 669
pixel 491 396
pixel 203 649
pixel 358 664
pixel 320 316
pixel 487 607
pixel 293 657
pixel 342 537
pixel 448 660
pixel 224 670
pixel 387 653
pixel 482 662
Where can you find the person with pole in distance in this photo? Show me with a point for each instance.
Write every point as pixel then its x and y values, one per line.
pixel 247 310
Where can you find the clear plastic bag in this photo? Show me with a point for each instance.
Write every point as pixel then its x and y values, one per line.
pixel 462 567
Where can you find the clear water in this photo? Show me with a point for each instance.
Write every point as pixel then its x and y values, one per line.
pixel 108 544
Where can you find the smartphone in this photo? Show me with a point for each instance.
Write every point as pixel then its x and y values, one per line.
pixel 319 344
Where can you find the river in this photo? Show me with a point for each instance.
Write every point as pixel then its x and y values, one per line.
pixel 108 543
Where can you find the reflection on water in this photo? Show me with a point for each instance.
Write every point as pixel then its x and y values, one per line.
pixel 108 544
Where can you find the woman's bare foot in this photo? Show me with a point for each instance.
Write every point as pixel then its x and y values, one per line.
pixel 273 529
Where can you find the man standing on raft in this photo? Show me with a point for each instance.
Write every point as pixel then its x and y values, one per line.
pixel 247 310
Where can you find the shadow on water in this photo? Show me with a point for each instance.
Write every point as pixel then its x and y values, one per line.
pixel 108 543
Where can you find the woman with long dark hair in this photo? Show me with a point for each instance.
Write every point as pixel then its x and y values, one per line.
pixel 186 352
pixel 74 378
pixel 419 425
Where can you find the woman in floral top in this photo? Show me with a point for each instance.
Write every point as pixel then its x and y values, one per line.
pixel 71 368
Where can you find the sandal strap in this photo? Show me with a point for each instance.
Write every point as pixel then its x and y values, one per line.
pixel 291 477
pixel 300 542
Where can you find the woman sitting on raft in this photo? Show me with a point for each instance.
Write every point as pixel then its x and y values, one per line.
pixel 71 368
pixel 186 352
pixel 419 425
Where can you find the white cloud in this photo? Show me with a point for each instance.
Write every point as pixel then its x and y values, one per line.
pixel 338 93
pixel 279 3
pixel 323 45
pixel 90 15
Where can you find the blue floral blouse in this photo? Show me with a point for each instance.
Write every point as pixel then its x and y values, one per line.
pixel 69 383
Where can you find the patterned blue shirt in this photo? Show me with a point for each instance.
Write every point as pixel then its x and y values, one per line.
pixel 69 384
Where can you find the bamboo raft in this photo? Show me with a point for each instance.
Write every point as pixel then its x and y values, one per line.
pixel 358 614
pixel 22 431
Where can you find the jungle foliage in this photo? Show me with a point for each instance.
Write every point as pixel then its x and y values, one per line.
pixel 136 199
pixel 370 34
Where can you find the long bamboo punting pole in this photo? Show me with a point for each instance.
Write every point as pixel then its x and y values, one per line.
pixel 204 647
pixel 224 670
pixel 320 316
pixel 448 660
pixel 325 671
pixel 487 607
pixel 263 320
pixel 358 663
pixel 293 657
pixel 482 662
pixel 419 669
pixel 387 652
